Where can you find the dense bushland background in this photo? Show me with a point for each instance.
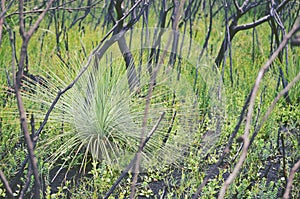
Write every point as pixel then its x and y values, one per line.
pixel 45 44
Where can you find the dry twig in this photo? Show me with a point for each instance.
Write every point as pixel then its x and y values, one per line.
pixel 6 184
pixel 245 137
pixel 290 180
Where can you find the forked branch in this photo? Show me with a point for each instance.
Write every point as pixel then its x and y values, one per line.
pixel 245 137
pixel 130 165
pixel 99 51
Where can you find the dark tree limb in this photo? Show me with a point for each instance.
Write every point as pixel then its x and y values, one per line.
pixel 127 55
pixel 245 136
pixel 17 83
pixel 27 183
pixel 130 165
pixel 271 107
pixel 235 28
pixel 99 51
pixel 6 185
pixel 162 23
pixel 290 180
pixel 2 15
pixel 86 12
pixel 275 20
pixel 174 47
pixel 226 149
pixel 209 29
pixel 59 7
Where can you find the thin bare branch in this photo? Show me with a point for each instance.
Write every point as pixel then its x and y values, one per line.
pixel 290 180
pixel 17 83
pixel 23 120
pixel 245 137
pixel 60 7
pixel 99 51
pixel 2 15
pixel 243 7
pixel 147 106
pixel 261 20
pixel 226 149
pixel 4 10
pixel 236 4
pixel 27 183
pixel 130 165
pixel 6 184
pixel 21 19
pixel 234 28
pixel 280 94
pixel 39 20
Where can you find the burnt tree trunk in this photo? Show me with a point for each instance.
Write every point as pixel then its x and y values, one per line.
pixel 127 55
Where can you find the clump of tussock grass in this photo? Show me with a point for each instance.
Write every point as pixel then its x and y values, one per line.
pixel 102 117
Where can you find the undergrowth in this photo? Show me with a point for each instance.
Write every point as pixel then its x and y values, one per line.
pixel 180 180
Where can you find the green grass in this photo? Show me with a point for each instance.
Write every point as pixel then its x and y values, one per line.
pixel 204 152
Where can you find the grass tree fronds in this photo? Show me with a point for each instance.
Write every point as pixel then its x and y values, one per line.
pixel 101 117
pixel 101 114
pixel 133 160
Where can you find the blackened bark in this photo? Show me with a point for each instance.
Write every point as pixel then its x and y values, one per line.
pixel 127 55
pixel 175 34
pixel 130 66
pixel 155 52
pixel 224 45
pixel 234 27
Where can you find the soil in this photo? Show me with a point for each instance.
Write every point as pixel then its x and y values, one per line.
pixel 273 172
